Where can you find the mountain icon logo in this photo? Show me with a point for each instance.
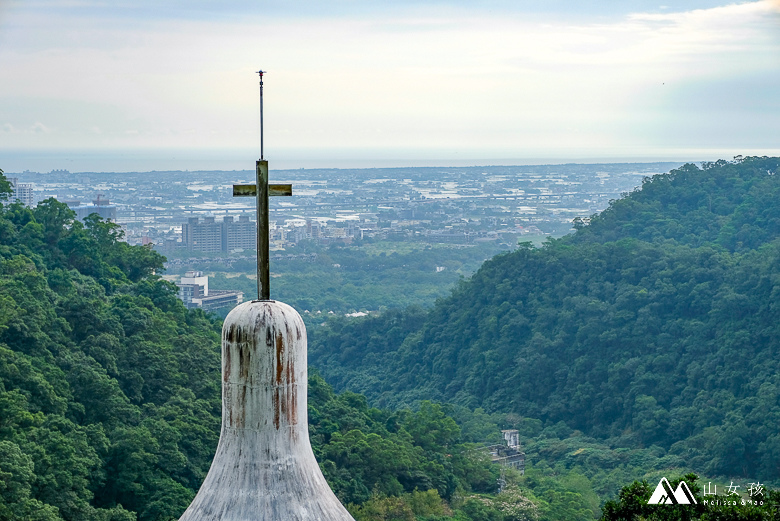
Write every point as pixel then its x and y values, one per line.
pixel 664 495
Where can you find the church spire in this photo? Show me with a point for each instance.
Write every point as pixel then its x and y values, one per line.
pixel 264 468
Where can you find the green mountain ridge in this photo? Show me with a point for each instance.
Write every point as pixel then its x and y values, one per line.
pixel 655 323
pixel 110 388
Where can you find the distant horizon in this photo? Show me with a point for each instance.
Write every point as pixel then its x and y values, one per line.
pixel 127 161
pixel 128 86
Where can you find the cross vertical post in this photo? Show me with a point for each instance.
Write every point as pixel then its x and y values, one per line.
pixel 263 232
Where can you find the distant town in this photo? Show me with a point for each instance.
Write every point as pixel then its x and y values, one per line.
pixel 184 214
pixel 194 220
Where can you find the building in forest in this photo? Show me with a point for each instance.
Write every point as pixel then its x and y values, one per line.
pixel 509 454
pixel 194 293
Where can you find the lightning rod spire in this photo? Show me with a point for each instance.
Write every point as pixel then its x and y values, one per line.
pixel 261 72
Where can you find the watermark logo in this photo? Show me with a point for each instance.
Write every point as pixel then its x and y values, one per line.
pixel 732 497
pixel 664 495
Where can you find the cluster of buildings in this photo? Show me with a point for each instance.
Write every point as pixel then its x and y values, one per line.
pixel 458 205
pixel 25 194
pixel 194 292
pixel 100 206
pixel 208 235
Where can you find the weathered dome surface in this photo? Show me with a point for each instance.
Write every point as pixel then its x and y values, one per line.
pixel 264 468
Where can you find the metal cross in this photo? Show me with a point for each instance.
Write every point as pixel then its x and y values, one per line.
pixel 261 190
pixel 263 227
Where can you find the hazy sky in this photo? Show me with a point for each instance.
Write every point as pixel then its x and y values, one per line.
pixel 404 82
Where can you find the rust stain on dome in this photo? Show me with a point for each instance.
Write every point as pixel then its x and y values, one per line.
pixel 280 373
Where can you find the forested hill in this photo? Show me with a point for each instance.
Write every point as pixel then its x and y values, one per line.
pixel 110 395
pixel 109 399
pixel 733 205
pixel 657 323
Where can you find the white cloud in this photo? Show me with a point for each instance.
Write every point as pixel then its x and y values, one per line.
pixel 502 85
pixel 40 128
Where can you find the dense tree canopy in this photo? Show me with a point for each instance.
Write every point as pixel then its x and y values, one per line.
pixel 655 324
pixel 110 392
pixel 108 403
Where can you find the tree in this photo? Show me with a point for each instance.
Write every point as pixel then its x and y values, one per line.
pixel 5 187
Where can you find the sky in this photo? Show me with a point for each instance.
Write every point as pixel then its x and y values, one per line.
pixel 121 86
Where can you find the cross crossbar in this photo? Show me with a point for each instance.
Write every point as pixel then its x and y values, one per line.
pixel 251 190
pixel 263 227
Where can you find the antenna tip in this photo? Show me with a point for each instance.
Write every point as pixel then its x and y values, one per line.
pixel 261 72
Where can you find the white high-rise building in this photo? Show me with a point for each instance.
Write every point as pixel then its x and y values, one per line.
pixel 23 192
